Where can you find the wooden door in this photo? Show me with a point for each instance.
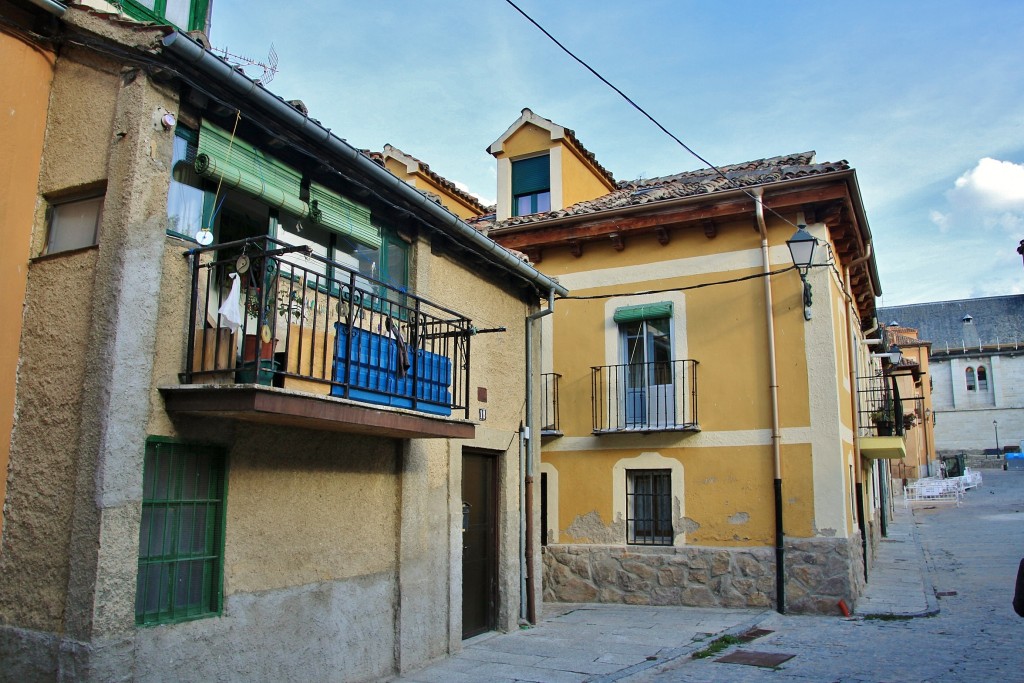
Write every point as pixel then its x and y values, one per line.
pixel 479 543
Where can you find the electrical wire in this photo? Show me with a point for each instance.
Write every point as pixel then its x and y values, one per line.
pixel 615 295
pixel 666 131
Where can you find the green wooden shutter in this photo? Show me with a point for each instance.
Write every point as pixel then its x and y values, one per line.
pixel 531 175
pixel 343 216
pixel 241 166
pixel 632 314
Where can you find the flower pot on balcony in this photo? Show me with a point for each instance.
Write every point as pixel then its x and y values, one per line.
pixel 251 343
pixel 884 427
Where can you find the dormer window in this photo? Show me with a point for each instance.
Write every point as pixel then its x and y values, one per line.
pixel 187 15
pixel 531 185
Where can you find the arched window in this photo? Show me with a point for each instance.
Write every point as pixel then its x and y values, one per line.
pixel 982 378
pixel 970 379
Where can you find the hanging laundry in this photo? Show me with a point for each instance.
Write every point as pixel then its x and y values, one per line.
pixel 230 310
pixel 403 348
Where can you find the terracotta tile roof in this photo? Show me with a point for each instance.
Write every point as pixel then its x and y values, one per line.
pixel 692 183
pixel 448 185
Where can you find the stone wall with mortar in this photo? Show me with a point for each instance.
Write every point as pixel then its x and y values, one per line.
pixel 819 573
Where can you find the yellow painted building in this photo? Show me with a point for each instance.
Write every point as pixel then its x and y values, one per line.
pixel 25 81
pixel 701 443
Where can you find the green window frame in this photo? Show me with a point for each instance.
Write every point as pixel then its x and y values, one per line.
pixel 181 534
pixel 156 10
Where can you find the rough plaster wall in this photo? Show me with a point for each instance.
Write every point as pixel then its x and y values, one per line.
pixel 305 506
pixel 498 364
pixel 44 457
pixel 329 631
pixel 424 552
pixel 116 389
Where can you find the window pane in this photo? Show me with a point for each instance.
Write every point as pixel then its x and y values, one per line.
pixel 543 203
pixel 184 197
pixel 73 225
pixel 177 12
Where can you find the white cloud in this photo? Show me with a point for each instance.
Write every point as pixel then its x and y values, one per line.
pixel 988 197
pixel 992 185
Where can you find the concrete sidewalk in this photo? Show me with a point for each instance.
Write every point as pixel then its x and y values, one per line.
pixel 604 643
pixel 899 582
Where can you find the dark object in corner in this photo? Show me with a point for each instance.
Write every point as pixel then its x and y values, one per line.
pixel 1018 593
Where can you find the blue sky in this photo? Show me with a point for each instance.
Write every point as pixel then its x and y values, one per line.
pixel 924 99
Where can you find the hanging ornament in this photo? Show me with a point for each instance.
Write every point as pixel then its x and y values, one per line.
pixel 242 265
pixel 204 237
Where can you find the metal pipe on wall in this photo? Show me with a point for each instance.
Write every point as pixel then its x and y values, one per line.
pixel 773 386
pixel 530 430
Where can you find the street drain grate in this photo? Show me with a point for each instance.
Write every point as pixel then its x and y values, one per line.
pixel 945 594
pixel 753 634
pixel 752 658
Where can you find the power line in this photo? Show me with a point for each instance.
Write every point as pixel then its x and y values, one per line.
pixel 732 183
pixel 617 295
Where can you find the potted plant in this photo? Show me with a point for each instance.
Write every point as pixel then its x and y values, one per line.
pixel 884 421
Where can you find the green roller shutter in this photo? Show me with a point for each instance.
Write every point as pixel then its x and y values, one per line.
pixel 531 175
pixel 239 165
pixel 273 182
pixel 343 216
pixel 631 314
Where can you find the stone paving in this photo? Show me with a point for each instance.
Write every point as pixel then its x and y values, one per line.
pixel 937 609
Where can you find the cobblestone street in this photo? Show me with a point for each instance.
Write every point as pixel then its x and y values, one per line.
pixel 971 553
pixel 952 566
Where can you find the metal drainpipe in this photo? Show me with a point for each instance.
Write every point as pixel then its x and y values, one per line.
pixel 54 8
pixel 531 596
pixel 854 362
pixel 773 385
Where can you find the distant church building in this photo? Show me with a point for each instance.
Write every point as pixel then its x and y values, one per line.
pixel 977 369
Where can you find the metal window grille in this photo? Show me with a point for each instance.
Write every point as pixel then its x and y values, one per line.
pixel 649 507
pixel 181 538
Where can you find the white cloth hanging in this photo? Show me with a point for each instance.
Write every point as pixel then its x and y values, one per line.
pixel 230 309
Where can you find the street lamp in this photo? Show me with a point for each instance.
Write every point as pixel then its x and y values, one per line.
pixel 995 423
pixel 801 250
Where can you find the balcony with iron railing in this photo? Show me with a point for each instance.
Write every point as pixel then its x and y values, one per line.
pixel 549 405
pixel 645 397
pixel 277 333
pixel 882 417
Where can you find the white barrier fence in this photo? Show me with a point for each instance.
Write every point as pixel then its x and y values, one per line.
pixel 934 489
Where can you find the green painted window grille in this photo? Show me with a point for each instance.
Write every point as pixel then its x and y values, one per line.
pixel 632 314
pixel 181 537
pixel 187 15
pixel 531 185
pixel 649 507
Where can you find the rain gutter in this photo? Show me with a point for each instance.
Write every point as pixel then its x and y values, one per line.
pixel 54 8
pixel 208 65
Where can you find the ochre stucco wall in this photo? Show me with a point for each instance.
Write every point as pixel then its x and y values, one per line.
pixel 580 181
pixel 25 81
pixel 728 465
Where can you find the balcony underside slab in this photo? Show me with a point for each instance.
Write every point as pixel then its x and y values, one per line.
pixel 270 405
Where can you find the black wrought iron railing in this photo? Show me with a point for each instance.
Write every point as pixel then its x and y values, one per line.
pixel 645 397
pixel 549 396
pixel 881 410
pixel 265 312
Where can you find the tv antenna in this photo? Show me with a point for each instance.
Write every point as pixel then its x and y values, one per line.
pixel 248 66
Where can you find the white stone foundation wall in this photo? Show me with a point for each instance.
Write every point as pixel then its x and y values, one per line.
pixel 819 572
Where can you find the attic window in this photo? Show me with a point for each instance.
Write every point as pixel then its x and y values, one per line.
pixel 531 186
